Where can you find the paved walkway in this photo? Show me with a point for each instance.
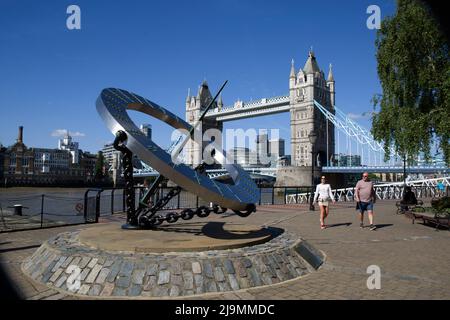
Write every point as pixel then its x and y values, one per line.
pixel 414 259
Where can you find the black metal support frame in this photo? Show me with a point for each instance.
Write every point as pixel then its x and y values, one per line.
pixel 145 215
pixel 127 162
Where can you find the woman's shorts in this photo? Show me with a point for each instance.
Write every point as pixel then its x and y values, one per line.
pixel 323 203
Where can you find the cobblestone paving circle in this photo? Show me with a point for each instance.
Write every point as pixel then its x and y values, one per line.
pixel 65 264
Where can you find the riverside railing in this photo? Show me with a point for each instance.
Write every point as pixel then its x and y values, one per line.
pixel 394 192
pixel 54 210
pixel 23 212
pixel 113 199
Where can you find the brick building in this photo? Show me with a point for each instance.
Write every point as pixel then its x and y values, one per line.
pixel 24 166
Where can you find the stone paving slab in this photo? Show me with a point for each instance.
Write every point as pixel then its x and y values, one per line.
pixel 413 258
pixel 170 274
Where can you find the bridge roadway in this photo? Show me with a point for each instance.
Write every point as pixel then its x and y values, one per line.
pixel 244 110
pixel 386 169
pixel 272 172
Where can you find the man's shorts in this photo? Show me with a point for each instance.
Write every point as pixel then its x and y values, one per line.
pixel 365 206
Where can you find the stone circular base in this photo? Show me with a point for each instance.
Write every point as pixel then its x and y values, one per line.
pixel 179 260
pixel 180 237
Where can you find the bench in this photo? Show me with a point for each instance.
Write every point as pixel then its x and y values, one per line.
pixel 403 207
pixel 436 219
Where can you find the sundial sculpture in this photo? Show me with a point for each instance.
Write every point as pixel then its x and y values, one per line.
pixel 241 196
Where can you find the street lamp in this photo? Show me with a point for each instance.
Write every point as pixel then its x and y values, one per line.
pixel 312 139
pixel 404 171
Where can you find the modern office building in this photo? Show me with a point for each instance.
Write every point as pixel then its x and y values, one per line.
pixel 277 147
pixel 345 160
pixel 269 151
pixel 146 129
pixel 114 157
pixel 241 156
pixel 109 153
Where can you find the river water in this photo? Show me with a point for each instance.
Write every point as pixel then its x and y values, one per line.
pixel 57 204
pixel 66 205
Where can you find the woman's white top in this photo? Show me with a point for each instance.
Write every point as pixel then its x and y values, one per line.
pixel 323 192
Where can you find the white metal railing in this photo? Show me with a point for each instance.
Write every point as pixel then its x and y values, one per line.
pixel 387 191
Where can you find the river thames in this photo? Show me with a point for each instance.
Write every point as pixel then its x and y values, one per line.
pixel 56 204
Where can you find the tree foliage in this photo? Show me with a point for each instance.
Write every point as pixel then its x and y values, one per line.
pixel 99 166
pixel 414 70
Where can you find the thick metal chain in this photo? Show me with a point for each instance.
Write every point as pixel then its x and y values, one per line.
pixel 150 219
pixel 127 163
pixel 188 214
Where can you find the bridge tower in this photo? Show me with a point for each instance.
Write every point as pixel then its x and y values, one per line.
pixel 194 108
pixel 305 86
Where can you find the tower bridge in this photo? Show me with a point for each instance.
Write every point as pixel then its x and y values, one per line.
pixel 311 105
pixel 306 85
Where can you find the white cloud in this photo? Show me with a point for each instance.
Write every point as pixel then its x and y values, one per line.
pixel 358 116
pixel 77 134
pixel 62 133
pixel 354 116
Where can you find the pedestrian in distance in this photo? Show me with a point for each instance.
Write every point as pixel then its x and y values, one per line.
pixel 366 198
pixel 143 191
pixel 323 196
pixel 409 199
pixel 441 189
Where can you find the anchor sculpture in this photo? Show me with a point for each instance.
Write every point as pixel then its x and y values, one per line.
pixel 241 196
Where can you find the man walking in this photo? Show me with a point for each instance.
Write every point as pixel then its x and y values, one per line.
pixel 365 196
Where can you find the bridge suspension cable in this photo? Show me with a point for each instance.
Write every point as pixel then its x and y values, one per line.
pixel 353 131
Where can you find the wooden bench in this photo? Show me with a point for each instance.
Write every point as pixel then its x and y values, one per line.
pixel 436 219
pixel 409 207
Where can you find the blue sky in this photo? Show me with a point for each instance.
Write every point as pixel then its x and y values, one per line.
pixel 51 76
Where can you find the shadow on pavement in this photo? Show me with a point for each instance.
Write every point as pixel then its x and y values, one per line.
pixel 7 291
pixel 347 224
pixel 380 226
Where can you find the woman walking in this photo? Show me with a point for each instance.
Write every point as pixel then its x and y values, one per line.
pixel 323 195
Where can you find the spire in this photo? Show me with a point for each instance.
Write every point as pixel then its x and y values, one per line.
pixel 292 75
pixel 220 102
pixel 188 98
pixel 204 94
pixel 311 65
pixel 330 74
